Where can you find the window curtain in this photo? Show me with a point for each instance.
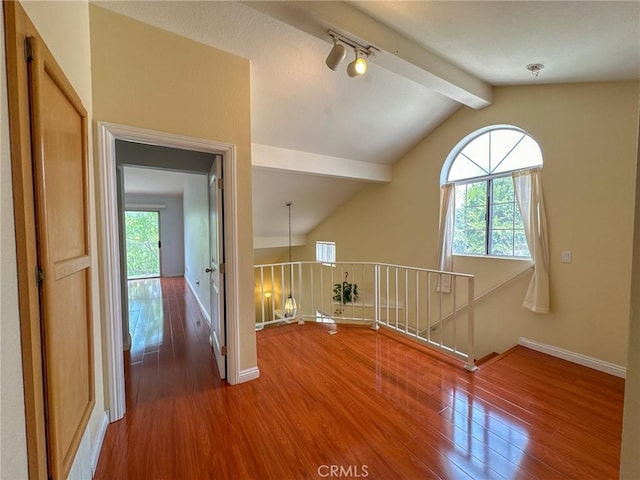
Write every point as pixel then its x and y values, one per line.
pixel 447 211
pixel 528 190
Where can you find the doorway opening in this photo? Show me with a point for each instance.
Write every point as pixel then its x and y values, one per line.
pixel 112 186
pixel 142 232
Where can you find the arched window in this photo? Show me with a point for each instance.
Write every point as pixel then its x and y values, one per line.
pixel 487 220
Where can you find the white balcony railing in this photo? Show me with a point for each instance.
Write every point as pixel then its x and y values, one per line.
pixel 405 299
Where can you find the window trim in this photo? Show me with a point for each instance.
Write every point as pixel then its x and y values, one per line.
pixel 446 169
pixel 326 244
pixel 498 257
pixel 493 176
pixel 448 163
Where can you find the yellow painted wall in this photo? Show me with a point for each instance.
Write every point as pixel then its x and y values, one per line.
pixel 149 78
pixel 64 27
pixel 587 133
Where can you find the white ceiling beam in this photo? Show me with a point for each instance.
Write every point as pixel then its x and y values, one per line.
pixel 265 156
pixel 398 54
pixel 275 242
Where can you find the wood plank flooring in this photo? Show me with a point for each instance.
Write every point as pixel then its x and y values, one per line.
pixel 355 404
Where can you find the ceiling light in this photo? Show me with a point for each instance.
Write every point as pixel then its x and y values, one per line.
pixel 535 68
pixel 290 306
pixel 357 67
pixel 336 55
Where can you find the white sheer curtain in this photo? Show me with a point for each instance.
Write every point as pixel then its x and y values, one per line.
pixel 528 190
pixel 447 210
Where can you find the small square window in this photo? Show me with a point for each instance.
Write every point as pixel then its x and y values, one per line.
pixel 326 252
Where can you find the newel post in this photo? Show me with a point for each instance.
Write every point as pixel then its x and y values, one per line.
pixel 300 295
pixel 471 364
pixel 375 325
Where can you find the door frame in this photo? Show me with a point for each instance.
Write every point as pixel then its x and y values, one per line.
pixel 108 133
pixel 216 173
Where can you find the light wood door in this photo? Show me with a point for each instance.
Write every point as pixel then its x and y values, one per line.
pixel 216 268
pixel 59 146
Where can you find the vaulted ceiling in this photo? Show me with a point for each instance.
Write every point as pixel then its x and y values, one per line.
pixel 319 136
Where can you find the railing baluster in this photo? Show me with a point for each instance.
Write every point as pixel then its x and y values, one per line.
pixel 323 292
pixel 300 312
pixel 261 298
pixel 396 296
pixel 353 282
pixel 363 282
pixel 340 292
pixel 282 289
pixel 417 303
pixel 440 284
pixel 376 296
pixel 429 306
pixel 331 286
pixel 273 294
pixel 313 293
pixel 387 306
pixel 455 314
pixel 406 301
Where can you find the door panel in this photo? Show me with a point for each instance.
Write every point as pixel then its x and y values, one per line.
pixel 217 259
pixel 59 142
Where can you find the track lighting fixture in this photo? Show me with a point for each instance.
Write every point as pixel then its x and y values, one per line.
pixel 356 68
pixel 336 55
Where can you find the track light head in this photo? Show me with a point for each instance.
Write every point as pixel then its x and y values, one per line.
pixel 358 67
pixel 336 55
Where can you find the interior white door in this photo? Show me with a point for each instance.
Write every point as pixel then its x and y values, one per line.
pixel 216 268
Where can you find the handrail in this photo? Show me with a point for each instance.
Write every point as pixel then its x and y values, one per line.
pixel 422 269
pixel 489 292
pixel 403 298
pixel 501 285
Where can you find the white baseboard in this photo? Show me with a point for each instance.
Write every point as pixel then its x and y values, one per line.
pixel 584 360
pixel 248 374
pixel 97 446
pixel 81 466
pixel 202 309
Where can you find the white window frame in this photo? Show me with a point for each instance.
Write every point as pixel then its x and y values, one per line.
pixel 488 178
pixel 326 252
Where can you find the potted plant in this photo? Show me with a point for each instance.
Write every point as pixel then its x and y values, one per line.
pixel 345 292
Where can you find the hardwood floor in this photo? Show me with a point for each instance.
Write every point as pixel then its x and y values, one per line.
pixel 356 404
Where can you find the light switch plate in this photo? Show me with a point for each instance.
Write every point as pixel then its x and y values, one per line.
pixel 566 256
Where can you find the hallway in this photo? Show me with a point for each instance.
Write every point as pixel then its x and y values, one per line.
pixel 168 371
pixel 356 400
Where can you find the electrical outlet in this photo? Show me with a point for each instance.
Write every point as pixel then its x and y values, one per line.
pixel 566 256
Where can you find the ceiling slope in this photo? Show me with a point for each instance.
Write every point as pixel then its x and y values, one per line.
pixel 319 136
pixel 397 53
